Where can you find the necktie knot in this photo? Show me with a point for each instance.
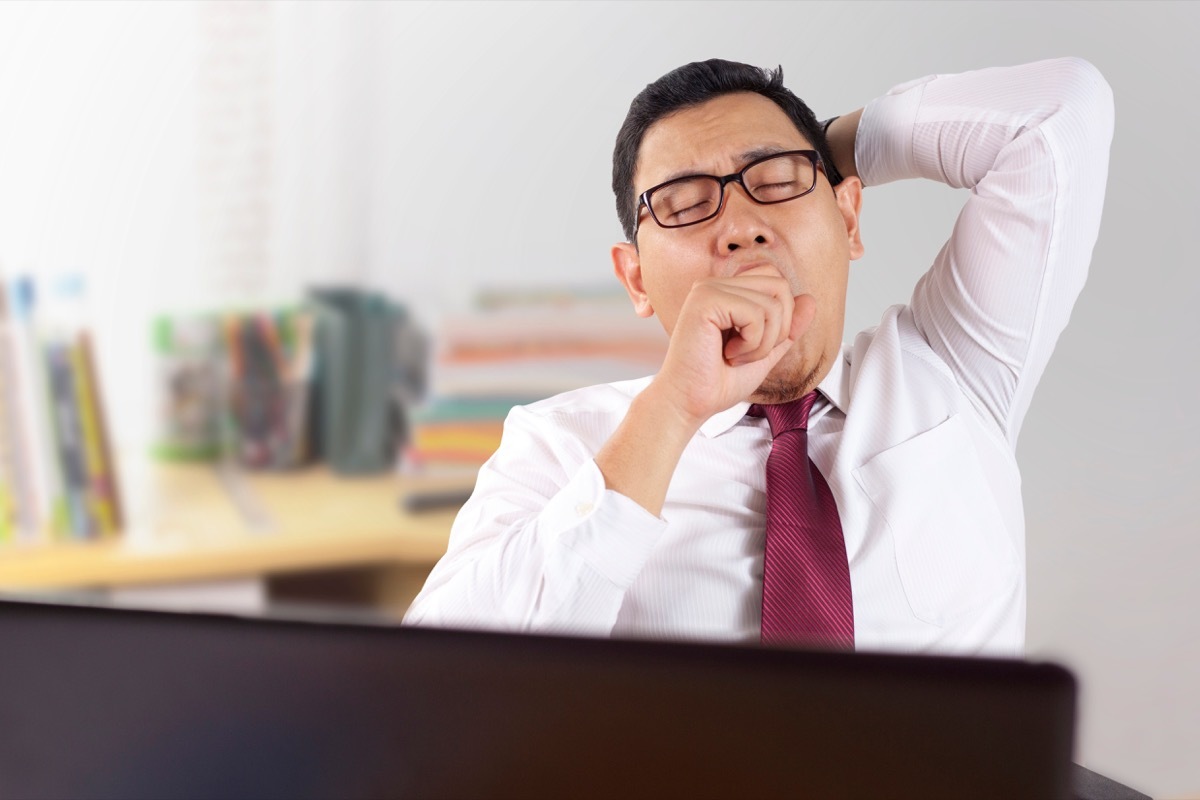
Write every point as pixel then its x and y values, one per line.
pixel 784 417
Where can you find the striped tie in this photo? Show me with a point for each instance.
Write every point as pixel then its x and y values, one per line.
pixel 806 579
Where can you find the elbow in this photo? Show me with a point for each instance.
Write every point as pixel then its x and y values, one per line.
pixel 1087 96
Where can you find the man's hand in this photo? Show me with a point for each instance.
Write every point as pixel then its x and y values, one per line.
pixel 730 333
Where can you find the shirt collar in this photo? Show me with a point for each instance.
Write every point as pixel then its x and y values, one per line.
pixel 835 388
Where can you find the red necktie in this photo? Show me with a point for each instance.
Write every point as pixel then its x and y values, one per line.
pixel 806 579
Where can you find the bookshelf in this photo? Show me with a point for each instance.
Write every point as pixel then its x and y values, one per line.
pixel 308 530
pixel 303 534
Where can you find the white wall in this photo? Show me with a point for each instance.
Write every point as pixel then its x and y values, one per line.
pixel 382 113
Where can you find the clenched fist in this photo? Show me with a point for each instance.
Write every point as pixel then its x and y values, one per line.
pixel 729 335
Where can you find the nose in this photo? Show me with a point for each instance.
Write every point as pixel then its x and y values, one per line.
pixel 741 221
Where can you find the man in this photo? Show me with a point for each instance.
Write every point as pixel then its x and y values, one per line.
pixel 887 512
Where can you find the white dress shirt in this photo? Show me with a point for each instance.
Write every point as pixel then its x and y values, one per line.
pixel 914 428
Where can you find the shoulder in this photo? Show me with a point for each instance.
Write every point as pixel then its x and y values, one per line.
pixel 586 416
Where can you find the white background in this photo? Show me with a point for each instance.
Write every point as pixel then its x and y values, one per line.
pixel 351 127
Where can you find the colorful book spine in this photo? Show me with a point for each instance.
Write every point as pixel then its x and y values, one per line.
pixel 69 438
pixel 112 485
pixel 17 520
pixel 8 457
pixel 98 479
pixel 33 403
pixel 57 474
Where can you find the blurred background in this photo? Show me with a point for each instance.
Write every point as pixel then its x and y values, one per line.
pixel 214 193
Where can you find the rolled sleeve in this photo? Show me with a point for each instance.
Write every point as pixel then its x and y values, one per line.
pixel 883 148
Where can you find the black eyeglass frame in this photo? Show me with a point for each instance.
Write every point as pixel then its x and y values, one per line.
pixel 723 180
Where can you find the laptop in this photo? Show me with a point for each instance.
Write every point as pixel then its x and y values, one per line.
pixel 105 703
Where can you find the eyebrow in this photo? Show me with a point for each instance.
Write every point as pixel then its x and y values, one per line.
pixel 743 159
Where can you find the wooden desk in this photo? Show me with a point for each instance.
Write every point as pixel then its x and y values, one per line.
pixel 186 527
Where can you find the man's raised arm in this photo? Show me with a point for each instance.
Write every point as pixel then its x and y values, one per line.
pixel 1031 144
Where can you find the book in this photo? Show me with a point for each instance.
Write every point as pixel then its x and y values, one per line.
pixel 112 483
pixel 41 465
pixel 516 348
pixel 9 513
pixel 98 482
pixel 19 517
pixel 187 387
pixel 68 436
pixel 57 474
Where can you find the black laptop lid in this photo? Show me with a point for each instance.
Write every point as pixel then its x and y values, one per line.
pixel 98 702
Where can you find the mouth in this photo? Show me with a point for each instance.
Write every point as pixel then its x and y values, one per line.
pixel 754 265
pixel 788 275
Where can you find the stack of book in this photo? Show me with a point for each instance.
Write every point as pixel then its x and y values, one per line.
pixel 514 349
pixel 275 389
pixel 57 474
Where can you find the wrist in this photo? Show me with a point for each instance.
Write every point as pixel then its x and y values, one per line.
pixel 841 133
pixel 639 459
pixel 669 415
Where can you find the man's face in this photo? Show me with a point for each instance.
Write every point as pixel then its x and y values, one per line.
pixel 809 240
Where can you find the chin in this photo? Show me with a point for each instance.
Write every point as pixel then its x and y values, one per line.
pixel 792 378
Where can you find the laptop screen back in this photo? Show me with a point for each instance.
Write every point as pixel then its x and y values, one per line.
pixel 105 703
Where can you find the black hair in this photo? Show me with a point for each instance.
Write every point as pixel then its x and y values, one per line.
pixel 691 85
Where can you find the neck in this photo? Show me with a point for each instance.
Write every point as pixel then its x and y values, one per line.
pixel 778 391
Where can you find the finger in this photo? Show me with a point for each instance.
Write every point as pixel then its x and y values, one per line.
pixel 769 324
pixel 804 311
pixel 757 325
pixel 776 292
pixel 773 357
pixel 770 290
pixel 748 323
pixel 772 285
pixel 746 345
pixel 749 316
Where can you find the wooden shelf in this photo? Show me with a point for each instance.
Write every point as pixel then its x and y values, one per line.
pixel 187 526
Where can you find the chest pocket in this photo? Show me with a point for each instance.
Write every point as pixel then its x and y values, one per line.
pixel 953 553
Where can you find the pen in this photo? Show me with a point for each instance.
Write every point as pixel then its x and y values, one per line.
pixel 434 500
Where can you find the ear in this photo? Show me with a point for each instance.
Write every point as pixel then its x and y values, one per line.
pixel 849 202
pixel 627 264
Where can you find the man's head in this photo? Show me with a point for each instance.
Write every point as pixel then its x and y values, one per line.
pixel 714 118
pixel 691 85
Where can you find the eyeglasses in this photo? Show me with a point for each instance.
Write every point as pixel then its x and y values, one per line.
pixel 694 199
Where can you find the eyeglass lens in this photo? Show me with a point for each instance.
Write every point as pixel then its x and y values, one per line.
pixel 693 200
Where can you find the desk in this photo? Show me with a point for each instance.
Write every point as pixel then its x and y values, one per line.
pixel 297 531
pixel 310 534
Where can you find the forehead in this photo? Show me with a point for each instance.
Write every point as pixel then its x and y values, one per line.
pixel 713 137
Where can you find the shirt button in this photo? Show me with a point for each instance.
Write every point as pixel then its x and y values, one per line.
pixel 583 509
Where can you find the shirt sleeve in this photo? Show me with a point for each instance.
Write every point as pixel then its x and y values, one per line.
pixel 1031 144
pixel 541 545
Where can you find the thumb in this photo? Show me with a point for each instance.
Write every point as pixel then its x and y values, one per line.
pixel 804 311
